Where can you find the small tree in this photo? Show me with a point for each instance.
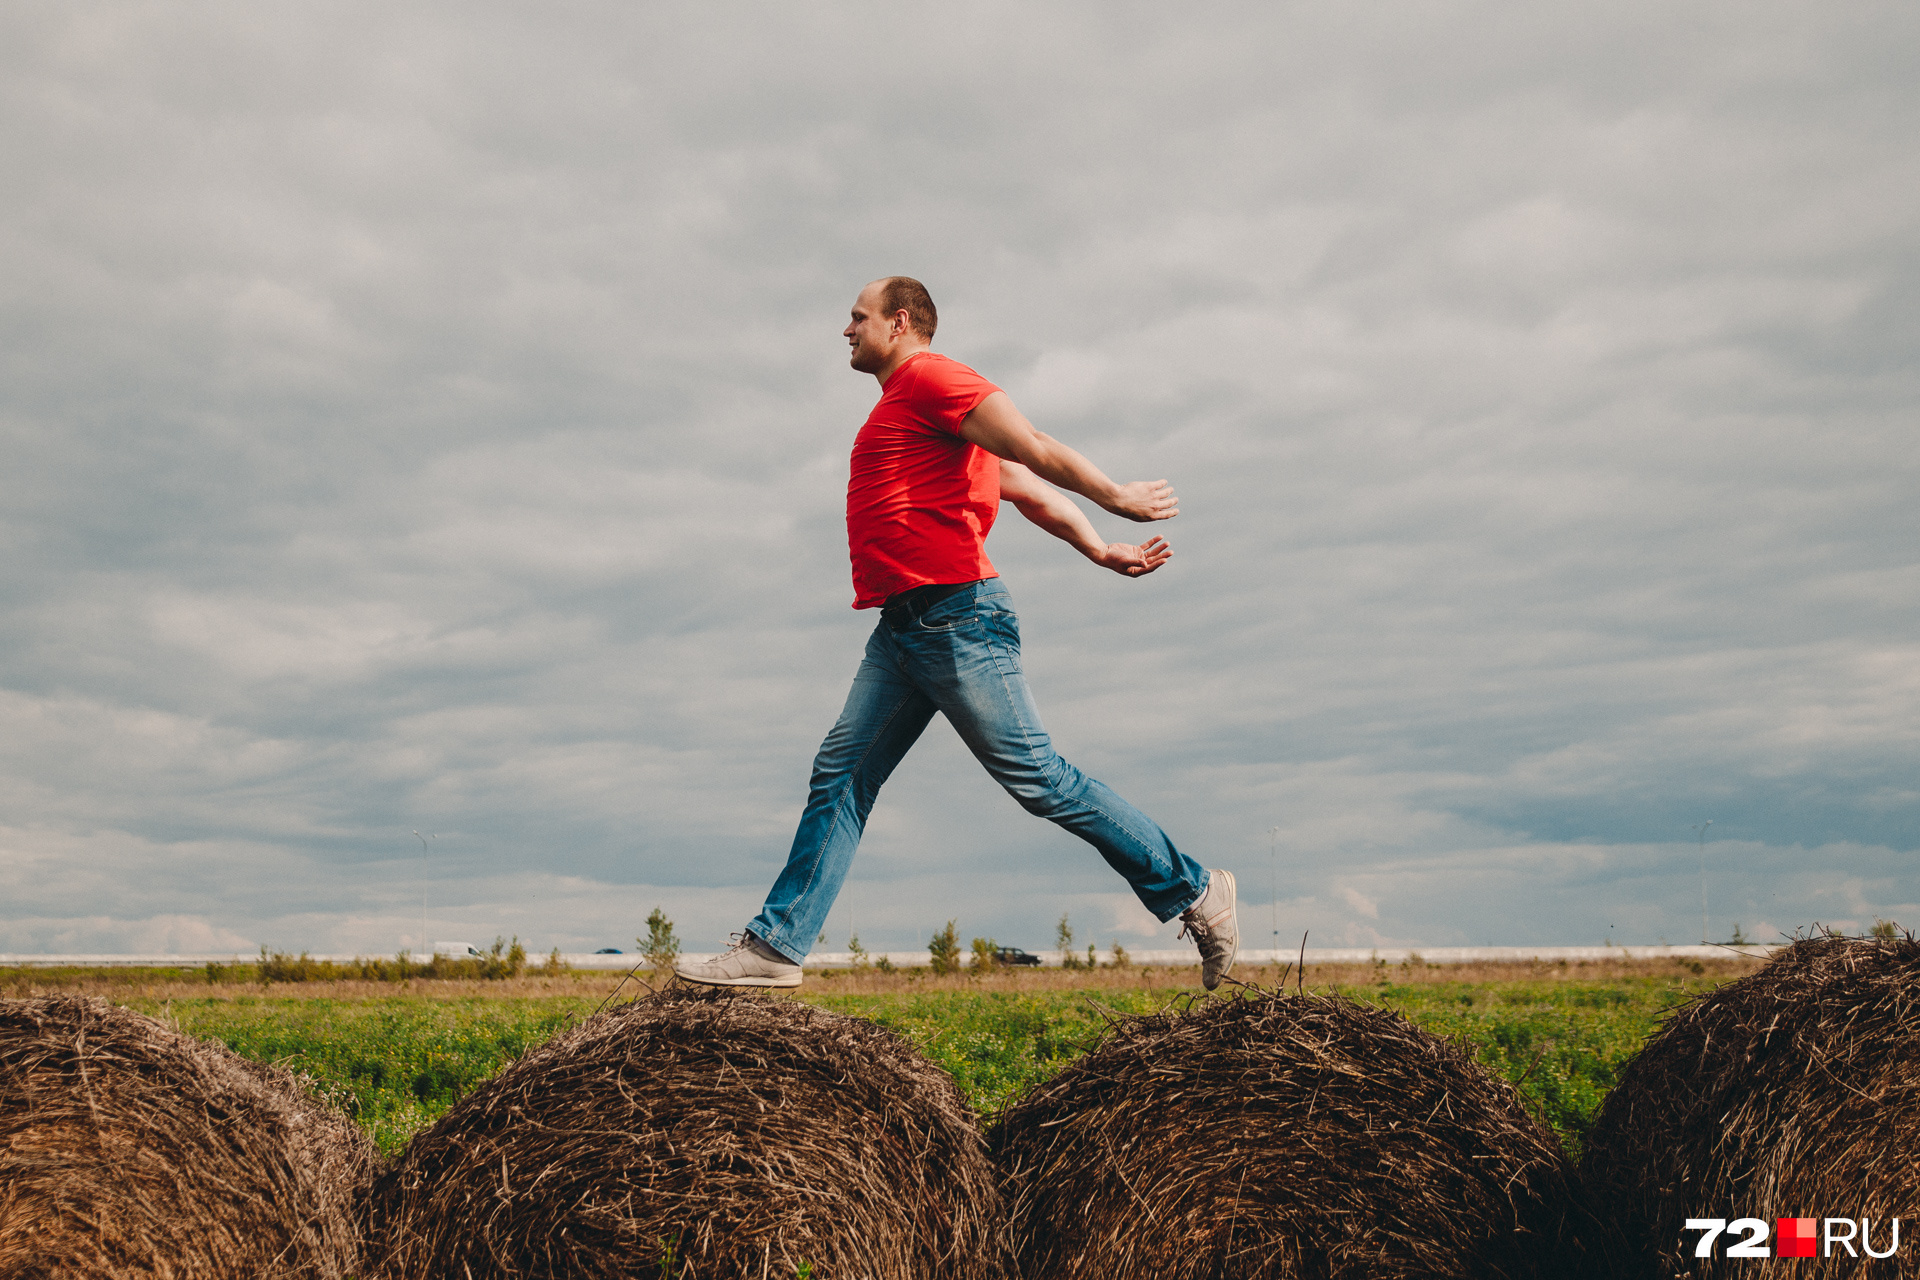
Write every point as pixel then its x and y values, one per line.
pixel 1884 929
pixel 945 946
pixel 1121 959
pixel 1063 939
pixel 1738 939
pixel 986 955
pixel 859 953
pixel 502 960
pixel 659 947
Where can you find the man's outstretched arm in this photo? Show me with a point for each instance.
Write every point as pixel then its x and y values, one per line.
pixel 999 428
pixel 1055 512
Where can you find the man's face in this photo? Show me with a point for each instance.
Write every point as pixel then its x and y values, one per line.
pixel 871 335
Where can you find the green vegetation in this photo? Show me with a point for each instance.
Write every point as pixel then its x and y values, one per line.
pixel 503 960
pixel 393 1063
pixel 660 947
pixel 1563 1046
pixel 396 1062
pixel 994 1043
pixel 1562 1043
pixel 1063 943
pixel 944 947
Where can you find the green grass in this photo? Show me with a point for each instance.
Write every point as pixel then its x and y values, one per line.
pixel 398 1062
pixel 395 1064
pixel 1562 1045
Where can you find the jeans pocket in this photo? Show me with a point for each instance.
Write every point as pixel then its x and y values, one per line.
pixel 1003 641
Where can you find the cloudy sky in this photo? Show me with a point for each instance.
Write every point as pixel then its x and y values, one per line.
pixel 433 416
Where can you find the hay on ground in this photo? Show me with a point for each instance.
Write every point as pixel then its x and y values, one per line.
pixel 1280 1136
pixel 128 1149
pixel 1794 1092
pixel 701 1135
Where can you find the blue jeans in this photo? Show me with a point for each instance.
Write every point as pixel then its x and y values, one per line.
pixel 962 658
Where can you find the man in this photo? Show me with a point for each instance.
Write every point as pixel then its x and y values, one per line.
pixel 936 455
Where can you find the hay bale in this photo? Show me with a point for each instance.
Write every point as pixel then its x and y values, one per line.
pixel 1792 1092
pixel 1283 1136
pixel 699 1134
pixel 128 1149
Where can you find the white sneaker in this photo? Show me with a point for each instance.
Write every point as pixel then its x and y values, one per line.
pixel 1215 927
pixel 748 963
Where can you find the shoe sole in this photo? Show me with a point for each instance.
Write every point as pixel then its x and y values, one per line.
pixel 1233 914
pixel 794 981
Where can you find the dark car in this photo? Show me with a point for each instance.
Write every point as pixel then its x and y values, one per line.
pixel 609 951
pixel 1014 955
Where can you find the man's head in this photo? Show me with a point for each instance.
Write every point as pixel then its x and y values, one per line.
pixel 892 319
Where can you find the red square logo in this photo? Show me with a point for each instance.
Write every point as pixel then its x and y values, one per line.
pixel 1793 1238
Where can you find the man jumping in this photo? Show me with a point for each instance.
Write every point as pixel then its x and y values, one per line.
pixel 930 466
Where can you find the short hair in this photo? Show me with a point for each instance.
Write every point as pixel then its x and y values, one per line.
pixel 904 293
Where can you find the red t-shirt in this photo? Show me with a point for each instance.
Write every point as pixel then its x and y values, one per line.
pixel 920 498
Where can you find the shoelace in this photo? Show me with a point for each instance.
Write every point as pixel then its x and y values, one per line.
pixel 1200 928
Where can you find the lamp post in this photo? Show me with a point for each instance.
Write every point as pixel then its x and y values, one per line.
pixel 426 947
pixel 1273 839
pixel 1701 827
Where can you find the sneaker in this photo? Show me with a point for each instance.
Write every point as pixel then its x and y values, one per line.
pixel 748 963
pixel 1215 928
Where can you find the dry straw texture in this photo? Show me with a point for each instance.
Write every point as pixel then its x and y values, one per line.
pixel 1791 1093
pixel 701 1135
pixel 127 1149
pixel 1282 1136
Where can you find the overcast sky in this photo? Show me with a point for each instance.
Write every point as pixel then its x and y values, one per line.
pixel 434 416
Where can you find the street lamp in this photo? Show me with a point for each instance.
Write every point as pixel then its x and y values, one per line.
pixel 425 946
pixel 1701 827
pixel 1273 836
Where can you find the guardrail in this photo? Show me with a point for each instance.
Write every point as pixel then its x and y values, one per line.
pixel 922 959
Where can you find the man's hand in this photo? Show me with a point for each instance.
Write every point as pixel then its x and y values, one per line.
pixel 1134 561
pixel 1145 500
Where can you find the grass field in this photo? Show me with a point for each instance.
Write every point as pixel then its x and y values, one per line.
pixel 396 1055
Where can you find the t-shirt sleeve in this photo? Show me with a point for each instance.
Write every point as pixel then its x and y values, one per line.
pixel 956 391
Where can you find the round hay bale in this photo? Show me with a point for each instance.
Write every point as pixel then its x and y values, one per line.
pixel 128 1149
pixel 697 1134
pixel 1791 1093
pixel 1283 1136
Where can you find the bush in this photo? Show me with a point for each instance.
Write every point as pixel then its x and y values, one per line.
pixel 659 947
pixel 986 955
pixel 945 948
pixel 503 960
pixel 1063 941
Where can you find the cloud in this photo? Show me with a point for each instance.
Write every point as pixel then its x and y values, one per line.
pixel 434 418
pixel 1361 904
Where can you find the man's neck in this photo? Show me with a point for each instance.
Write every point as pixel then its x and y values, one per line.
pixel 892 366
